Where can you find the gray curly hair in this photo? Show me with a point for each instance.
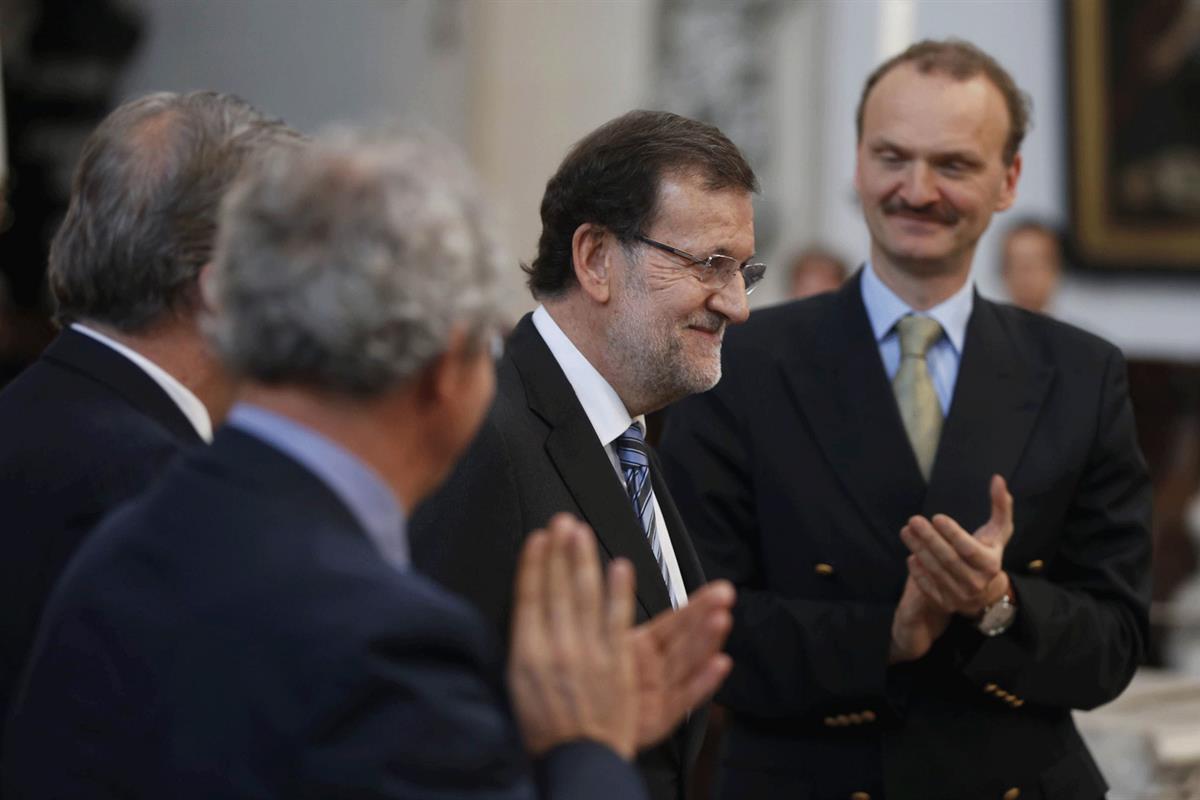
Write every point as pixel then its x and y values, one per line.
pixel 345 265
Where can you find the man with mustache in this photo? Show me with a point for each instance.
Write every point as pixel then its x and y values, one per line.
pixel 643 260
pixel 933 506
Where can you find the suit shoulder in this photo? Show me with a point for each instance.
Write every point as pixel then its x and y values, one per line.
pixel 771 324
pixel 770 334
pixel 50 396
pixel 1060 342
pixel 326 583
pixel 71 437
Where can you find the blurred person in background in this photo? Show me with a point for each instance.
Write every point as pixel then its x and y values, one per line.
pixel 1031 264
pixel 62 65
pixel 129 381
pixel 251 625
pixel 815 270
pixel 933 506
pixel 645 258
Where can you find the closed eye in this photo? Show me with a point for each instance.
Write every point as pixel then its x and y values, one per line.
pixel 958 164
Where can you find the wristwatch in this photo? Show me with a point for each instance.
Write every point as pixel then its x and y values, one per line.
pixel 998 617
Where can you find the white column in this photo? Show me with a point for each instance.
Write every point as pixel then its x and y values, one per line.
pixel 542 75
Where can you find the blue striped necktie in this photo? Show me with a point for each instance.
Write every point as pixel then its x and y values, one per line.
pixel 634 456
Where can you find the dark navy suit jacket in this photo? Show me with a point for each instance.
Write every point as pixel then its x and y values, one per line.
pixel 234 633
pixel 82 430
pixel 795 477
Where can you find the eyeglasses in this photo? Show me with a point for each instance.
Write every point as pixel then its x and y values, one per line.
pixel 716 271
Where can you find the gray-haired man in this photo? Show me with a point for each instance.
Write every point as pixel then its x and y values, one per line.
pixel 129 381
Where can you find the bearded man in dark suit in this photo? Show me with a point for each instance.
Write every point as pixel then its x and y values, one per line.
pixel 129 381
pixel 647 235
pixel 933 506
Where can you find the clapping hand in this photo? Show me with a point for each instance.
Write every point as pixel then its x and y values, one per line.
pixel 579 669
pixel 679 663
pixel 571 670
pixel 960 572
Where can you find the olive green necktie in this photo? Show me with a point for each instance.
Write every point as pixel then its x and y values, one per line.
pixel 918 401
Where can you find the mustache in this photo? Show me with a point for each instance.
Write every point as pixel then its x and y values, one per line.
pixel 709 321
pixel 934 212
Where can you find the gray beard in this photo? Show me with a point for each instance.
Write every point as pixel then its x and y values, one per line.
pixel 650 355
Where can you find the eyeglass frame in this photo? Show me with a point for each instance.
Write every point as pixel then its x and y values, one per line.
pixel 708 264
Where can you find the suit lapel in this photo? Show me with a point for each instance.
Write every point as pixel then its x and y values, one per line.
pixel 87 356
pixel 997 397
pixel 685 554
pixel 838 380
pixel 583 464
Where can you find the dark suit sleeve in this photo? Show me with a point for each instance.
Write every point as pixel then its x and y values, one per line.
pixel 467 536
pixel 1081 629
pixel 422 722
pixel 792 656
pixel 587 769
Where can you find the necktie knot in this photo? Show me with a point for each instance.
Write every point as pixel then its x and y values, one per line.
pixel 631 448
pixel 917 335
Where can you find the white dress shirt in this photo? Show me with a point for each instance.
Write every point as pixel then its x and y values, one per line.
pixel 609 419
pixel 188 403
pixel 885 309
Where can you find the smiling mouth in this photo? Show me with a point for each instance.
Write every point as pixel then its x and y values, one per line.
pixel 717 332
pixel 924 219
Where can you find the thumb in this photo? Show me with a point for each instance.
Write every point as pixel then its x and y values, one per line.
pixel 1000 526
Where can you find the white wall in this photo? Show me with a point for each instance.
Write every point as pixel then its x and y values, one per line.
pixel 1148 316
pixel 313 62
pixel 543 75
pixel 514 83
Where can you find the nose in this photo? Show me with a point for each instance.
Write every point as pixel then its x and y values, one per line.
pixel 731 301
pixel 919 188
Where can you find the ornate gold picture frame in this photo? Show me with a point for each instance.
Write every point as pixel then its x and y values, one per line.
pixel 1134 93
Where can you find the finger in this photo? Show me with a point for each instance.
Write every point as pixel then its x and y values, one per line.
pixel 716 592
pixel 1000 526
pixel 585 574
pixel 705 682
pixel 916 534
pixel 669 627
pixel 528 612
pixel 929 588
pixel 619 606
pixel 973 551
pixel 695 651
pixel 933 587
pixel 957 578
pixel 561 613
pixel 689 637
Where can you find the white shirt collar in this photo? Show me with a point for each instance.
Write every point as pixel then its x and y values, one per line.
pixel 183 397
pixel 600 401
pixel 885 308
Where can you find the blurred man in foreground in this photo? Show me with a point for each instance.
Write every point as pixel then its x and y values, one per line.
pixel 644 259
pixel 251 626
pixel 130 380
pixel 1031 264
pixel 901 632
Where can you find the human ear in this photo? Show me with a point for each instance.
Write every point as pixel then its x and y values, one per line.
pixel 1008 193
pixel 592 251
